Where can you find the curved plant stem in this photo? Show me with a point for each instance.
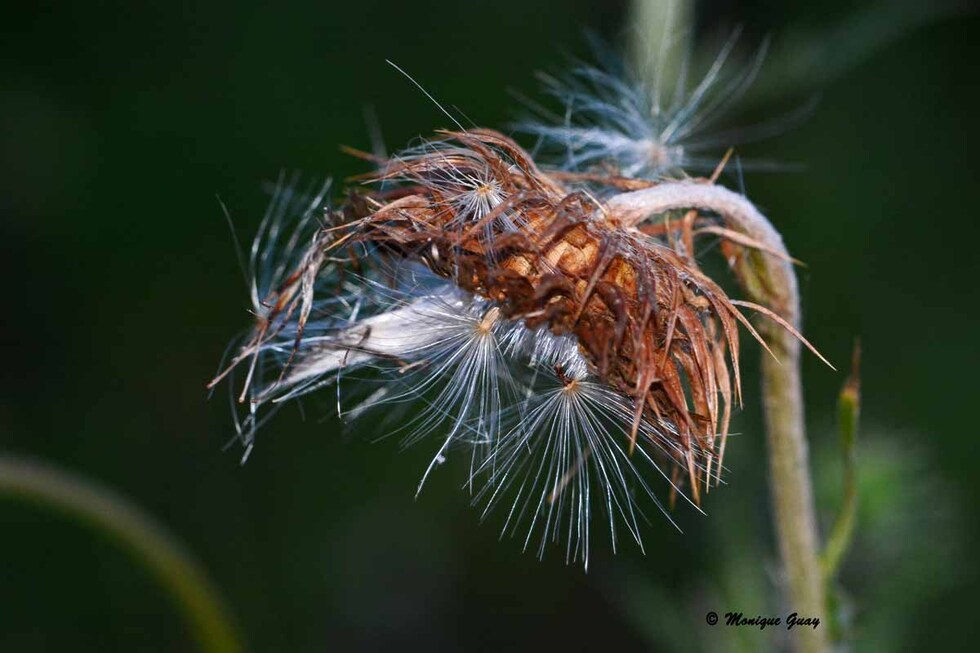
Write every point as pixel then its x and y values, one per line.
pixel 127 525
pixel 769 280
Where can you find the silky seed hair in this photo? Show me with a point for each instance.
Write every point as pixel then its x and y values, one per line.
pixel 611 122
pixel 569 350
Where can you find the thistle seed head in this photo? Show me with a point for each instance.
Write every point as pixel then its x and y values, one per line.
pixel 564 338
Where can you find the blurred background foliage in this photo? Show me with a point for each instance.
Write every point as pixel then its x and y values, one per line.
pixel 121 122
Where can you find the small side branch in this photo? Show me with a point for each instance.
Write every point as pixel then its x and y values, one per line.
pixel 848 412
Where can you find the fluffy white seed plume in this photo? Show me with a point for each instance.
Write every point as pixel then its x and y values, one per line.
pixel 615 123
pixel 565 456
pixel 465 183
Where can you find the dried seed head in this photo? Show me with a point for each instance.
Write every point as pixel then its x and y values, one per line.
pixel 649 322
pixel 566 343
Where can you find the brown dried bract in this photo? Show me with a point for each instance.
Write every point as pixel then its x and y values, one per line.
pixel 650 322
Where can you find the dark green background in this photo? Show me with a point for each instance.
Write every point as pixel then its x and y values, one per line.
pixel 120 122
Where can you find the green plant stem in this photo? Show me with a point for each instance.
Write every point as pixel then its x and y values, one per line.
pixel 790 484
pixel 110 513
pixel 768 280
pixel 848 411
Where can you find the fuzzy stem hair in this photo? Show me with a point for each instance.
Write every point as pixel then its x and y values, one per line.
pixel 768 279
